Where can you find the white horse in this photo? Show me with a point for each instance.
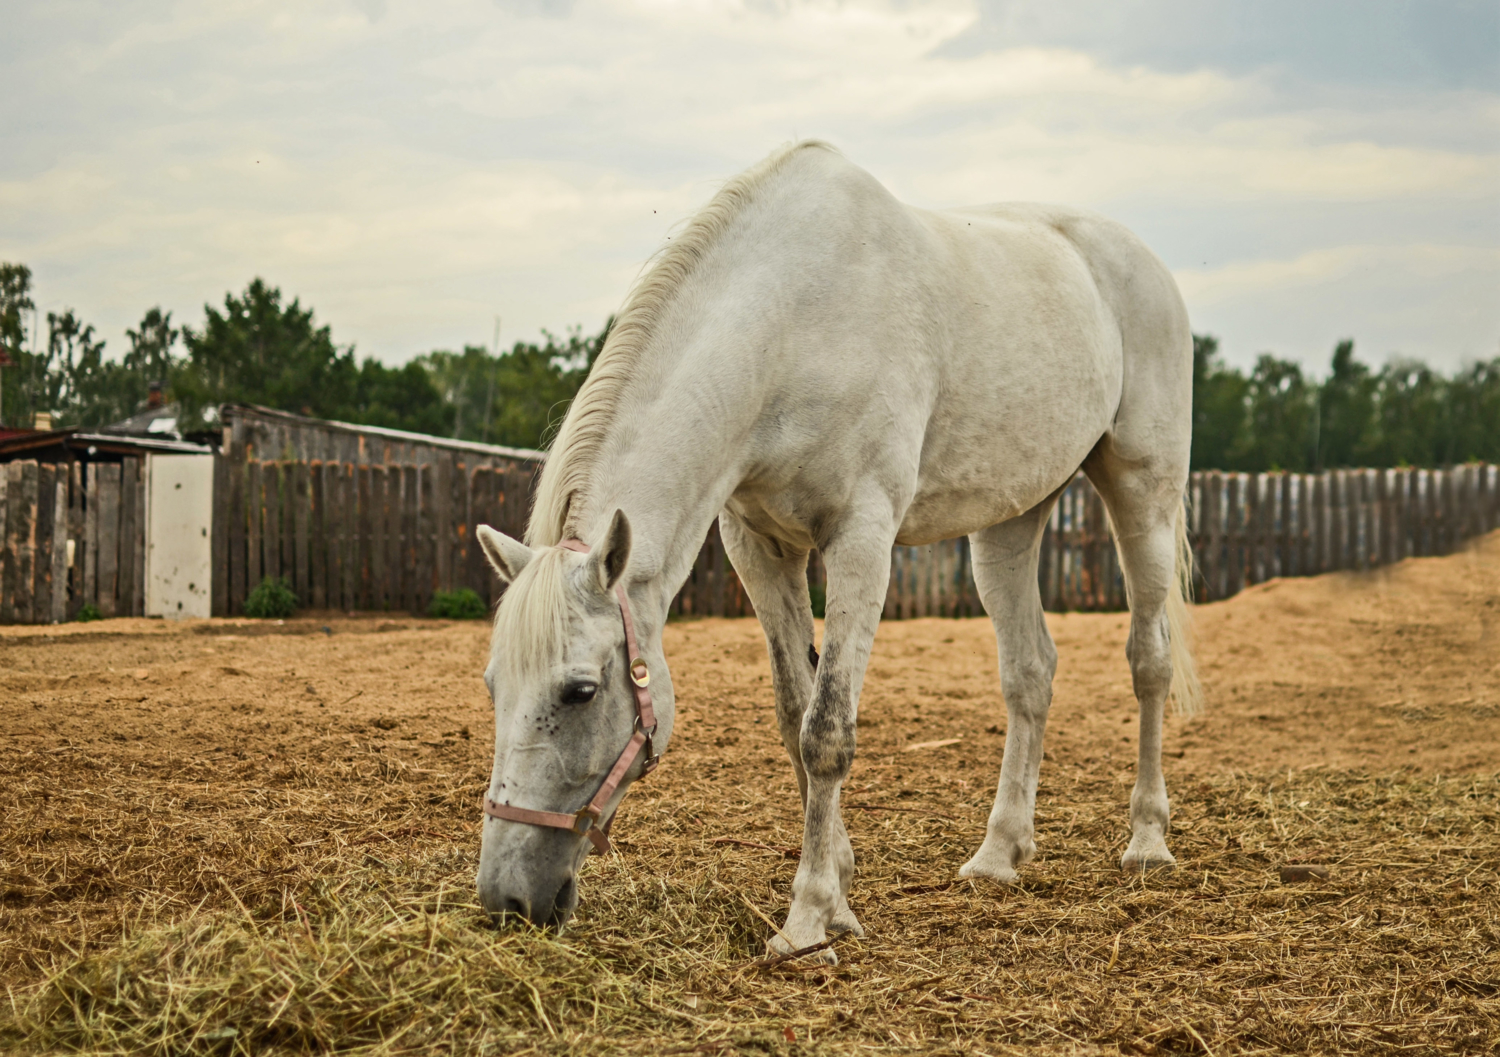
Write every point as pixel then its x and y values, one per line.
pixel 818 365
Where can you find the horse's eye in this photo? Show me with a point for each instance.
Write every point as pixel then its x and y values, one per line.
pixel 579 693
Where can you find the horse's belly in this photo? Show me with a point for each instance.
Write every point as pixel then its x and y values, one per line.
pixel 993 452
pixel 945 508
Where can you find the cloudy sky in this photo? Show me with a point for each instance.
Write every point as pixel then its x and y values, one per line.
pixel 1309 169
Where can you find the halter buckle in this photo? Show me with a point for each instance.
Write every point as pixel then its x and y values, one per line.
pixel 649 757
pixel 585 819
pixel 640 674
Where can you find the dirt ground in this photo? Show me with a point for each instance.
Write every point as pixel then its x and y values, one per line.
pixel 156 770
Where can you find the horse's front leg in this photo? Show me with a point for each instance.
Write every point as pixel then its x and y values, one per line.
pixel 774 575
pixel 858 570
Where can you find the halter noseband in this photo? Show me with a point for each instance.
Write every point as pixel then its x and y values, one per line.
pixel 586 821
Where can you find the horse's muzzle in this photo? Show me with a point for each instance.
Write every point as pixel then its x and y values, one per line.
pixel 544 898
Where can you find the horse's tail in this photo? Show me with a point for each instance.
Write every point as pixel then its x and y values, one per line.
pixel 1186 692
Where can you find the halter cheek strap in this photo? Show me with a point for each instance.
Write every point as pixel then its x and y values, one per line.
pixel 586 822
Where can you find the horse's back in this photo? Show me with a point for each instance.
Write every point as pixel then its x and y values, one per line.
pixel 976 354
pixel 1044 308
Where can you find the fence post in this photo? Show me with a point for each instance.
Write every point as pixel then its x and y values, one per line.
pixel 377 595
pixel 59 501
pixel 221 531
pixel 1368 533
pixel 272 482
pixel 78 534
pixel 320 534
pixel 1485 500
pixel 41 591
pixel 1383 516
pixel 301 526
pixel 131 530
pixel 7 560
pixel 255 511
pixel 1210 519
pixel 108 538
pixel 395 518
pixel 1411 514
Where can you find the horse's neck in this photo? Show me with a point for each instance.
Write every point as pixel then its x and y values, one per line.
pixel 671 464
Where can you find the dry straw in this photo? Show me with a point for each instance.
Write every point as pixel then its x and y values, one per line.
pixel 332 913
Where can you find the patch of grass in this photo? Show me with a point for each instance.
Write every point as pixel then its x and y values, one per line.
pixel 272 599
pixel 88 611
pixel 463 604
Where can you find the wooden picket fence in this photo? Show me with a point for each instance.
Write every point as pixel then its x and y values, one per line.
pixel 71 534
pixel 1245 528
pixel 363 536
pixel 358 536
pixel 387 537
pixel 1248 528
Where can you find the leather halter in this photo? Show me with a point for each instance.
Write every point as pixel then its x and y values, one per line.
pixel 586 822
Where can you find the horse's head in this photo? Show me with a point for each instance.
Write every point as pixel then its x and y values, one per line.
pixel 565 708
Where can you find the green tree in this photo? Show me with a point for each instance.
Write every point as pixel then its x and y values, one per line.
pixel 466 383
pixel 98 391
pixel 518 398
pixel 399 398
pixel 1474 410
pixel 259 351
pixel 150 359
pixel 1219 395
pixel 1280 408
pixel 1414 427
pixel 1346 430
pixel 82 389
pixel 26 375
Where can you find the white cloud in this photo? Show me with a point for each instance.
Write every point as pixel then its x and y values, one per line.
pixel 1436 302
pixel 412 169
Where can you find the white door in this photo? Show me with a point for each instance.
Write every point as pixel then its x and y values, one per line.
pixel 179 535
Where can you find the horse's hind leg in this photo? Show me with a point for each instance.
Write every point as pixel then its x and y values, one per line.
pixel 1005 564
pixel 775 578
pixel 1144 508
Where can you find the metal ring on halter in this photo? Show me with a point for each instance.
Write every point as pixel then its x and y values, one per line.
pixel 585 819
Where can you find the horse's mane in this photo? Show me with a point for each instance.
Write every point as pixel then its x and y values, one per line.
pixel 570 463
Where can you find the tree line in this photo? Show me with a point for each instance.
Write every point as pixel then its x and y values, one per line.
pixel 257 348
pixel 1404 414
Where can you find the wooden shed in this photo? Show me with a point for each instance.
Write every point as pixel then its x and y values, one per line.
pixel 74 514
pixel 357 517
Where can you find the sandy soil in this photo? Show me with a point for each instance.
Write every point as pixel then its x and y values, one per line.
pixel 161 765
pixel 1394 668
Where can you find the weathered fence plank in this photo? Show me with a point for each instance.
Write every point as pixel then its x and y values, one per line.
pixel 255 511
pixel 107 536
pixel 41 570
pixel 387 536
pixel 59 610
pixel 129 532
pixel 9 521
pixel 221 529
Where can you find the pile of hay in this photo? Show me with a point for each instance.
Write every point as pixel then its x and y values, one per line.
pixel 373 944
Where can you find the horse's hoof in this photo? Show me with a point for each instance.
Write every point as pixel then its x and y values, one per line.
pixel 1148 861
pixel 844 922
pixel 776 945
pixel 989 869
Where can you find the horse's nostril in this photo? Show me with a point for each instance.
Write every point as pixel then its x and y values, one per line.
pixel 512 905
pixel 565 902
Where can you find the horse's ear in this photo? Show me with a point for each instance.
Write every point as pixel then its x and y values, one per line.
pixel 508 556
pixel 609 557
